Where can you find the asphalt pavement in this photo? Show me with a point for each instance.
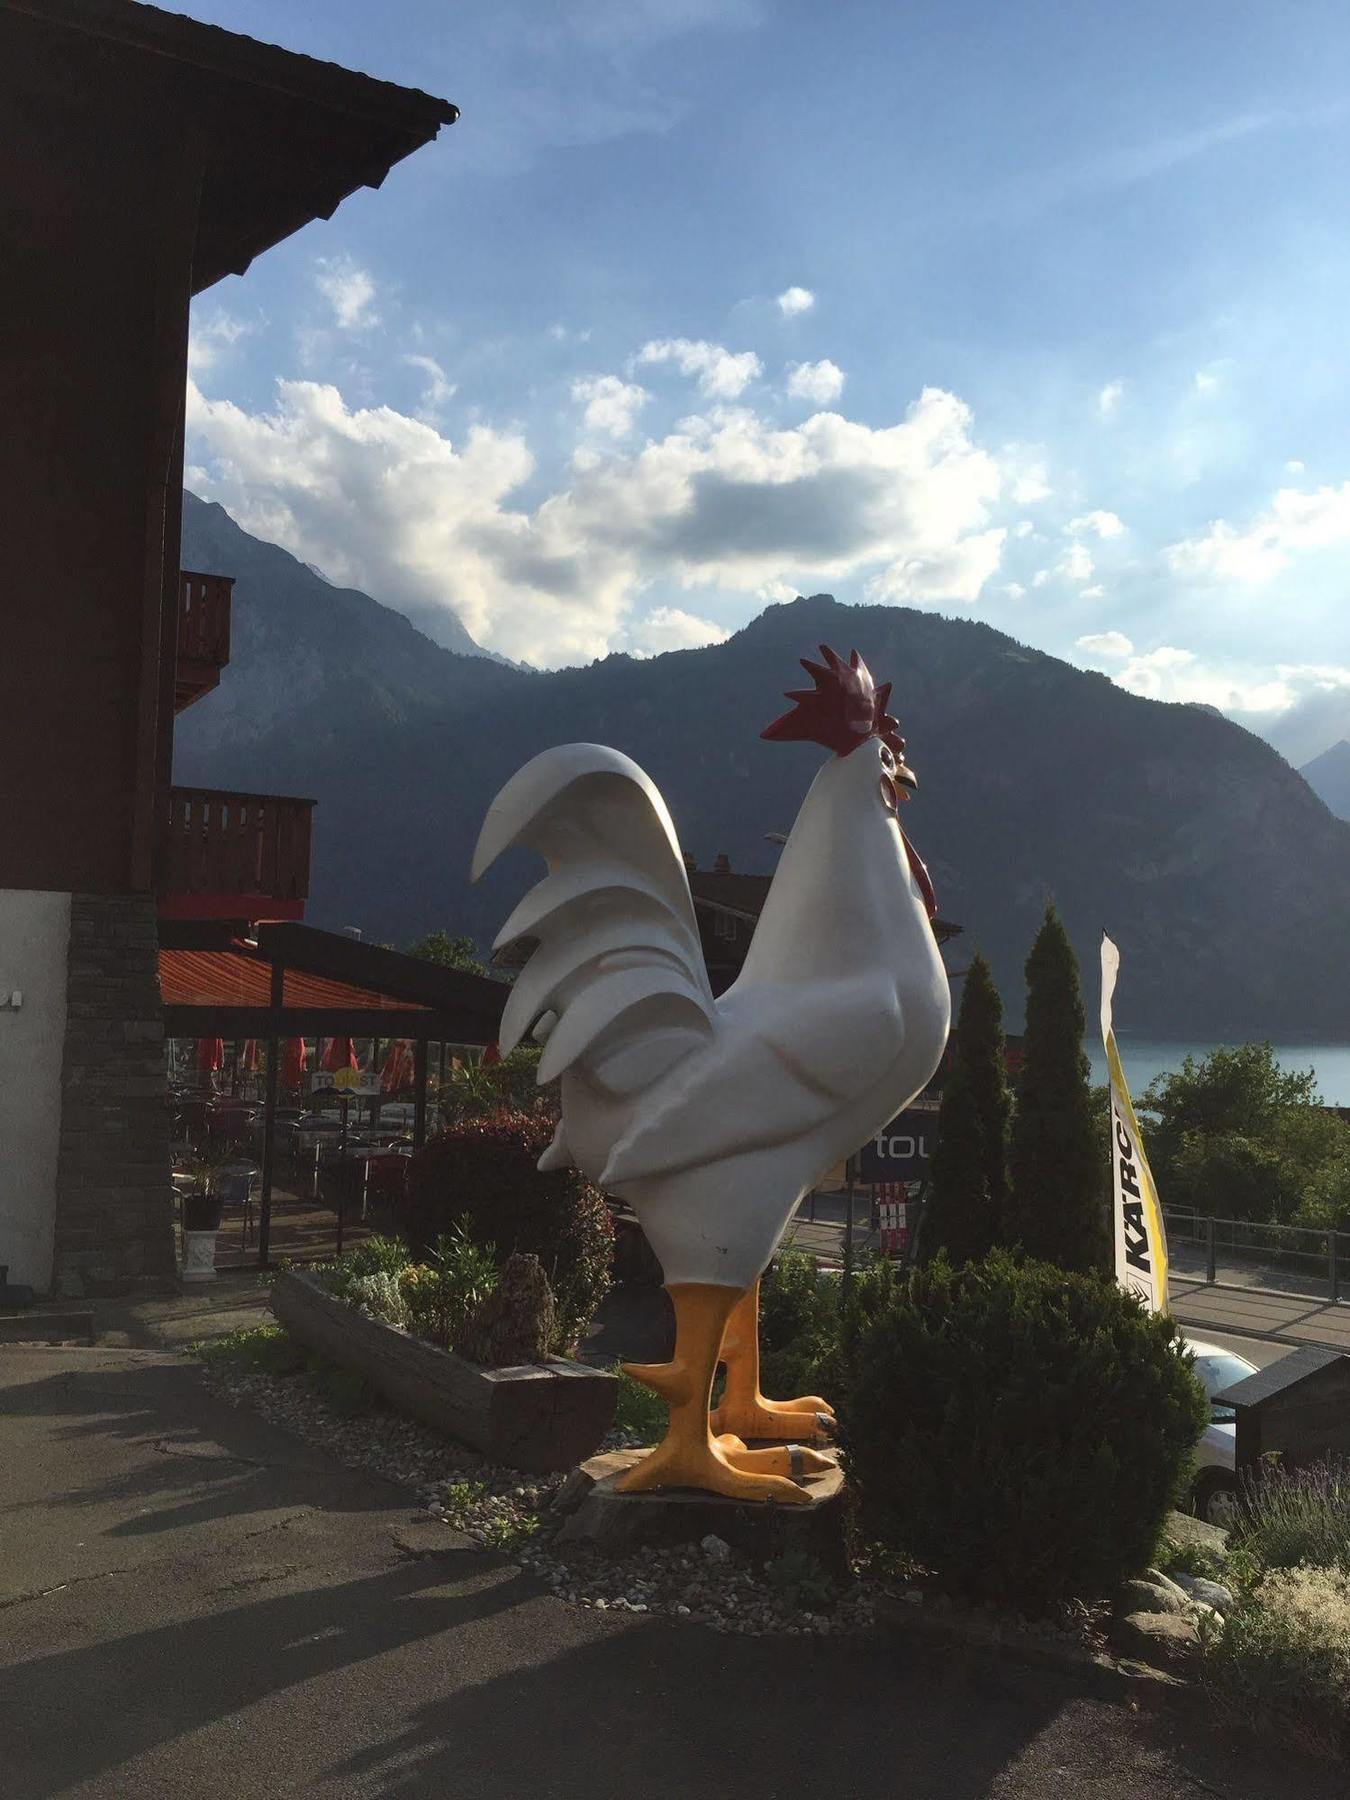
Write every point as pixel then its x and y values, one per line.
pixel 194 1604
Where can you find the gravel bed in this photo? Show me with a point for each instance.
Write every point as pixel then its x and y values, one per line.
pixel 509 1510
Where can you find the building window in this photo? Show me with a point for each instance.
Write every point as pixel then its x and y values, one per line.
pixel 724 926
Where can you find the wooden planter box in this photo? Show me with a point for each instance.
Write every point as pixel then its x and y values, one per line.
pixel 543 1416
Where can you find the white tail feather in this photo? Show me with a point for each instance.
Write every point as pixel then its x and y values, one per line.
pixel 619 960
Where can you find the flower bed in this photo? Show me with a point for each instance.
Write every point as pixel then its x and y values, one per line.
pixel 539 1416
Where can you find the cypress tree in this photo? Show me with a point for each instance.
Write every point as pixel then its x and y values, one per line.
pixel 1055 1210
pixel 969 1176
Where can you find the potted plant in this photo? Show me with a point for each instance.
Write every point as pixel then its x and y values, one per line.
pixel 202 1211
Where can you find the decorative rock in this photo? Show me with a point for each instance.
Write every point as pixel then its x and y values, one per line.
pixel 1189 1533
pixel 716 1549
pixel 1211 1593
pixel 1165 1582
pixel 1161 1639
pixel 1151 1597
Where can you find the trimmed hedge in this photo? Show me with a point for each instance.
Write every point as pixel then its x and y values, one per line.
pixel 483 1172
pixel 1020 1430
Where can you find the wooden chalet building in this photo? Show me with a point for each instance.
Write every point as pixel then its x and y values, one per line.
pixel 147 157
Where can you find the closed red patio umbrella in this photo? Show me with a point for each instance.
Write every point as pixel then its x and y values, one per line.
pixel 294 1063
pixel 338 1053
pixel 210 1055
pixel 250 1057
pixel 398 1067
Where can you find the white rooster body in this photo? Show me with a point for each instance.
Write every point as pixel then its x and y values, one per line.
pixel 713 1117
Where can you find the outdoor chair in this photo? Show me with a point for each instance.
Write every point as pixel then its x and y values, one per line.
pixel 236 1184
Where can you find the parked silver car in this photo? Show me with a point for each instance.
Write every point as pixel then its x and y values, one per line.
pixel 1215 1454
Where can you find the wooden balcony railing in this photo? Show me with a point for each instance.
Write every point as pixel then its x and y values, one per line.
pixel 203 634
pixel 236 856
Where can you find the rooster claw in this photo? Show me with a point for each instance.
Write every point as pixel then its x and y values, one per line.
pixel 794 1420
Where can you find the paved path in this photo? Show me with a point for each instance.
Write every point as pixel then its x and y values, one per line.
pixel 1290 1318
pixel 192 1603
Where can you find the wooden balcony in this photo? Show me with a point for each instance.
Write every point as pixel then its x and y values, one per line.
pixel 203 634
pixel 233 856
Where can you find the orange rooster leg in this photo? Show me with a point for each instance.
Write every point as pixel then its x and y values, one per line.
pixel 688 1456
pixel 744 1410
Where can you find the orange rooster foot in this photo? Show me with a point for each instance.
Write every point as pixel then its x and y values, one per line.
pixel 715 1468
pixel 793 1460
pixel 794 1420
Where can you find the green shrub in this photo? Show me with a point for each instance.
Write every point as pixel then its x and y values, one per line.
pixel 378 1296
pixel 798 1325
pixel 1282 1662
pixel 639 1410
pixel 801 1582
pixel 1288 1517
pixel 1019 1429
pixel 483 1171
pixel 443 1294
pixel 262 1349
pixel 376 1256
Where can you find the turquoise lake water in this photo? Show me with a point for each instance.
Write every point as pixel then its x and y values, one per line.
pixel 1143 1058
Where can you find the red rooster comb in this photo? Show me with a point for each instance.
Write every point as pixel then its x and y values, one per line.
pixel 842 710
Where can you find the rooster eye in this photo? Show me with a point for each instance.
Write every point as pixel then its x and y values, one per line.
pixel 887 760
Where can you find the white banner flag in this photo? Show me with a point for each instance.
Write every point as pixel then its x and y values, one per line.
pixel 1141 1243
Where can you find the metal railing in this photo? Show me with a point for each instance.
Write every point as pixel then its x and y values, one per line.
pixel 1289 1259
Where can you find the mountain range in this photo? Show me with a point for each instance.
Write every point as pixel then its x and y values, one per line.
pixel 1328 775
pixel 1220 873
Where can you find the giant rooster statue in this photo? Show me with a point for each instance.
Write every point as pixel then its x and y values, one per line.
pixel 713 1118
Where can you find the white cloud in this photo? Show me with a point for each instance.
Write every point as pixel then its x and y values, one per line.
pixel 211 337
pixel 612 405
pixel 1023 528
pixel 1099 524
pixel 1294 468
pixel 721 374
pixel 957 572
pixel 562 334
pixel 1111 644
pixel 1031 485
pixel 725 501
pixel 1205 382
pixel 1294 522
pixel 795 300
pixel 1040 578
pixel 349 290
pixel 1076 564
pixel 1108 400
pixel 1170 673
pixel 670 628
pixel 1093 593
pixel 1015 591
pixel 818 382
pixel 438 389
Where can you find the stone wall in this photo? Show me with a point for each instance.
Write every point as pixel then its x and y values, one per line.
pixel 114 1199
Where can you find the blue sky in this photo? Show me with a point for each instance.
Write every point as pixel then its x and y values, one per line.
pixel 1029 313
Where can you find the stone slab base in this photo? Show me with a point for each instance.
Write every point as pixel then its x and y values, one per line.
pixel 595 1512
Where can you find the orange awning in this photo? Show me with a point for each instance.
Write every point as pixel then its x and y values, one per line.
pixel 229 978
